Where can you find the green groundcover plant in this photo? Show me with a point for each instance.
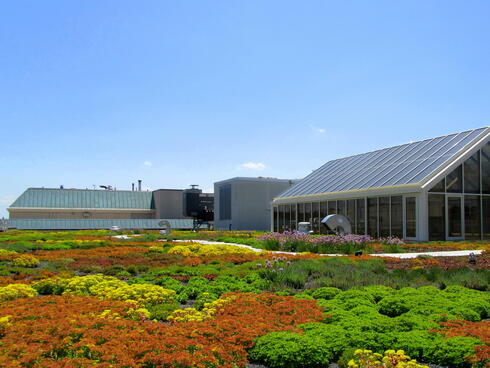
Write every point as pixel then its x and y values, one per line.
pixel 378 318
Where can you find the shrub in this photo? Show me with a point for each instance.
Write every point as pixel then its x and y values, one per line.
pixel 290 350
pixel 160 312
pixel 15 291
pixel 390 359
pixel 51 286
pixel 393 306
pixel 26 260
pixel 325 293
pixel 142 294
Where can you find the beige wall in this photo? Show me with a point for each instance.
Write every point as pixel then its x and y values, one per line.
pixel 78 215
pixel 168 204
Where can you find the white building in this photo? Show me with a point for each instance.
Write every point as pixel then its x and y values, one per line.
pixel 435 189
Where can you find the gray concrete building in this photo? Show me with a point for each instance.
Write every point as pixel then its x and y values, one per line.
pixel 245 203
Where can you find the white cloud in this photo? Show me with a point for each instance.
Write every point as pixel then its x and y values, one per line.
pixel 259 166
pixel 147 164
pixel 318 130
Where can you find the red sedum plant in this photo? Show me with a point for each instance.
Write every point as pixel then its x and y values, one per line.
pixel 79 331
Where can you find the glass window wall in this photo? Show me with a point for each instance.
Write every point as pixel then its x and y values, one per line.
pixel 361 216
pixel 437 217
pixel 472 216
pixel 315 225
pixel 308 212
pixel 472 174
pixel 293 217
pixel 301 212
pixel 486 217
pixel 411 217
pixel 485 168
pixel 372 215
pixel 323 214
pixel 275 219
pixel 454 181
pixel 384 217
pixel 341 208
pixel 287 217
pixel 397 216
pixel 351 213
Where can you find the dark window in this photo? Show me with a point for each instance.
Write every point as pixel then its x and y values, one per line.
pixel 323 214
pixel 332 210
pixel 341 208
pixel 454 181
pixel 315 225
pixel 472 219
pixel 472 174
pixel 384 216
pixel 437 217
pixel 439 187
pixel 225 202
pixel 351 213
pixel 486 217
pixel 361 216
pixel 397 216
pixel 301 212
pixel 287 217
pixel 281 218
pixel 454 217
pixel 293 217
pixel 485 168
pixel 411 217
pixel 372 214
pixel 308 212
pixel 276 219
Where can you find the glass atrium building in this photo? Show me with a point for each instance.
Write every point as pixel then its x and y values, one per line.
pixel 435 189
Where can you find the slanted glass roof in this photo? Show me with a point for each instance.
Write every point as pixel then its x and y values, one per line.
pixel 83 198
pixel 406 164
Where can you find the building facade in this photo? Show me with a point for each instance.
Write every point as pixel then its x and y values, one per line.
pixel 435 189
pixel 245 203
pixel 45 208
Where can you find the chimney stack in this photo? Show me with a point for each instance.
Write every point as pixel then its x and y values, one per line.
pixel 132 187
pixel 139 185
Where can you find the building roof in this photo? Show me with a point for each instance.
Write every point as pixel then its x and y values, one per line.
pixel 411 163
pixel 257 179
pixel 48 224
pixel 83 199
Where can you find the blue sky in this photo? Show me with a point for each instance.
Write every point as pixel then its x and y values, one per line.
pixel 193 92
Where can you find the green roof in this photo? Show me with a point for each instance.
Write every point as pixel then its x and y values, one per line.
pixel 45 224
pixel 84 198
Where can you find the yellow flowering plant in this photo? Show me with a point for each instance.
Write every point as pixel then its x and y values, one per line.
pixel 26 260
pixel 193 315
pixel 15 291
pixel 390 359
pixel 196 250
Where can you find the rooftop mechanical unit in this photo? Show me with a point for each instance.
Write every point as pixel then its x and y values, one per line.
pixel 199 206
